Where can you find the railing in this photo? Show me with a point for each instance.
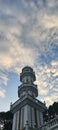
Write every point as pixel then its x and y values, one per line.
pixel 27 84
pixel 50 125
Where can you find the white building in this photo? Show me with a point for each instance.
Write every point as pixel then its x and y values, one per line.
pixel 28 111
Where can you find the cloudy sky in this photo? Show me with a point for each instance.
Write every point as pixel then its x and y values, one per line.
pixel 28 36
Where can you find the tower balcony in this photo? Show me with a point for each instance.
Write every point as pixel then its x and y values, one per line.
pixel 28 88
pixel 27 71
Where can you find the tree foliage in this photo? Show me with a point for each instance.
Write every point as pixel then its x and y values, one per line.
pixel 7 118
pixel 51 112
pixel 6 115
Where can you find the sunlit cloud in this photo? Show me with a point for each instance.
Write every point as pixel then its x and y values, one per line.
pixel 43 91
pixel 54 63
pixel 50 21
pixel 2 93
pixel 29 36
pixel 51 98
pixel 47 83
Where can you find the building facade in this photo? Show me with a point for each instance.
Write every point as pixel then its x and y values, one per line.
pixel 27 110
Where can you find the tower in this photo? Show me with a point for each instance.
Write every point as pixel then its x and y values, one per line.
pixel 27 111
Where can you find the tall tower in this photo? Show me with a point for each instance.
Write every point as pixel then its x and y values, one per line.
pixel 27 111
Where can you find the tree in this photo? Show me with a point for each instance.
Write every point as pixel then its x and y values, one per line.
pixel 7 125
pixel 51 112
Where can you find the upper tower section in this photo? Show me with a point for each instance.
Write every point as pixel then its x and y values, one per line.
pixel 27 75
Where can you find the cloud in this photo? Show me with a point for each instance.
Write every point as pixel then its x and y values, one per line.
pixel 3 78
pixel 51 98
pixel 29 36
pixel 52 3
pixel 54 63
pixel 47 81
pixel 2 93
pixel 50 21
pixel 15 56
pixel 43 91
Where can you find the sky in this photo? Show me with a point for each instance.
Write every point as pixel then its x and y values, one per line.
pixel 28 36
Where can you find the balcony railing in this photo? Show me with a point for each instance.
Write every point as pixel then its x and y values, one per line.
pixel 50 125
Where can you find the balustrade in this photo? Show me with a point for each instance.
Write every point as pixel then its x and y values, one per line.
pixel 47 126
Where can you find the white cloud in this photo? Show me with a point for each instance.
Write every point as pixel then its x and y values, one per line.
pixel 28 31
pixel 16 57
pixel 50 21
pixel 43 92
pixel 6 61
pixel 2 93
pixel 47 83
pixel 52 3
pixel 3 78
pixel 54 63
pixel 50 99
pixel 56 73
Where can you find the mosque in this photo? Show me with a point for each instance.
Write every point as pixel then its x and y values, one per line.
pixel 28 110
